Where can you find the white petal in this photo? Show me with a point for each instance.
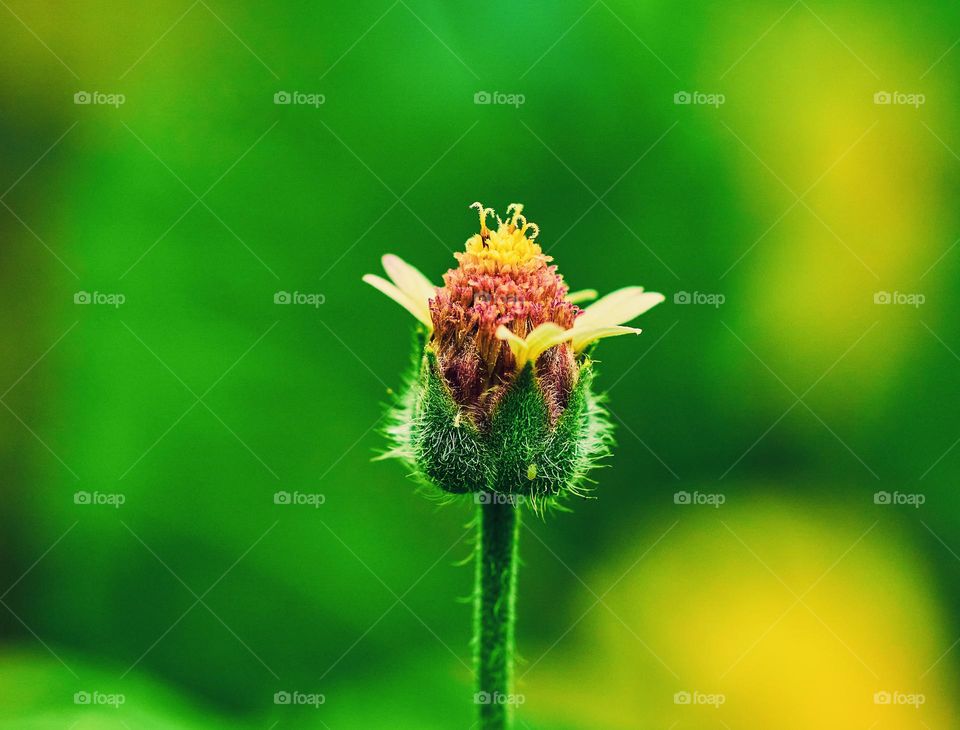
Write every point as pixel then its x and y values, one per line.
pixel 408 278
pixel 584 337
pixel 518 346
pixel 617 308
pixel 540 339
pixel 545 336
pixel 420 310
pixel 584 295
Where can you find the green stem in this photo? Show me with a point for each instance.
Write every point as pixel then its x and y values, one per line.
pixel 495 598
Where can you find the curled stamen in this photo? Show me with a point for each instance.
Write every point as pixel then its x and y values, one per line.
pixel 517 209
pixel 484 212
pixel 534 226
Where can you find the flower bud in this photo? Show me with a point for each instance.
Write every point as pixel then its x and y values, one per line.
pixel 500 398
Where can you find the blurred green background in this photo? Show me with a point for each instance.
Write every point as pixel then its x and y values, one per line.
pixel 802 200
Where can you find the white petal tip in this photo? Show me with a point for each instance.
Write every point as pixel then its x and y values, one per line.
pixel 584 295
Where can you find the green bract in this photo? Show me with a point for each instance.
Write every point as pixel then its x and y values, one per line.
pixel 519 452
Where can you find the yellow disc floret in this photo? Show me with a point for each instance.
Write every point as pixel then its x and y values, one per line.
pixel 509 248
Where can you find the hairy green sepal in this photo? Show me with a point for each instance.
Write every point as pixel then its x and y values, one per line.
pixel 518 452
pixel 449 449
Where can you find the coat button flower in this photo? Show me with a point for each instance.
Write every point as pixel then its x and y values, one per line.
pixel 500 398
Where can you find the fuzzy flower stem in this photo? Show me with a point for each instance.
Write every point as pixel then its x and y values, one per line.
pixel 495 597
